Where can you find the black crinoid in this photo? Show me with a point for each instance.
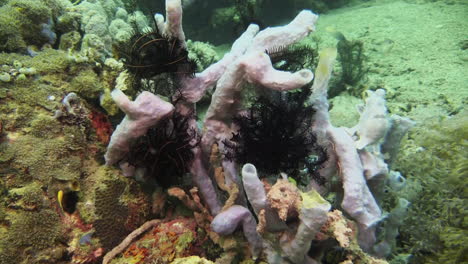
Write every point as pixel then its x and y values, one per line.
pixel 155 61
pixel 353 64
pixel 275 134
pixel 165 151
pixel 293 58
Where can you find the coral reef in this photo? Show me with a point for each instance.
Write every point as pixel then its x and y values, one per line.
pixel 50 137
pixel 222 159
pixel 28 23
pixel 162 242
pixel 288 219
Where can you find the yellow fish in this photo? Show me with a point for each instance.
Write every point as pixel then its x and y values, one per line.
pixel 60 198
pixel 335 33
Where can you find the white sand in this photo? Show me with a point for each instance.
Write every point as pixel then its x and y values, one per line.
pixel 425 70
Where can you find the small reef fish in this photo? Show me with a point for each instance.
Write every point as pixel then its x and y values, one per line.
pixel 60 198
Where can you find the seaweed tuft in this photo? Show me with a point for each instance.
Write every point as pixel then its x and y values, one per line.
pixel 354 67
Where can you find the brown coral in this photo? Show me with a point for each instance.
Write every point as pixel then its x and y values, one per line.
pixel 337 225
pixel 193 202
pixel 344 232
pixel 112 214
pixel 219 175
pixel 285 198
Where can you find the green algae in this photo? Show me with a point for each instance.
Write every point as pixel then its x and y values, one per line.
pixel 202 53
pixel 50 61
pixel 31 196
pixel 70 41
pixel 17 115
pixel 75 137
pixel 108 103
pixel 183 242
pixel 86 84
pixel 312 199
pixel 45 126
pixel 34 230
pixel 438 207
pixel 10 33
pixel 191 260
pixel 45 159
pixel 56 74
pixel 21 20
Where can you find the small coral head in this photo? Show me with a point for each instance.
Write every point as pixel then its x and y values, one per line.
pixel 285 198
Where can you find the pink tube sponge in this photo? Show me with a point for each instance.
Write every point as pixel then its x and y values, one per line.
pixel 146 111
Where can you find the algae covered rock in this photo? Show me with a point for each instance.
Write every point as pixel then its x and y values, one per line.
pixel 70 41
pixel 120 30
pixel 192 260
pixel 45 158
pixel 87 84
pixel 26 23
pixel 45 126
pixel 34 230
pixel 108 103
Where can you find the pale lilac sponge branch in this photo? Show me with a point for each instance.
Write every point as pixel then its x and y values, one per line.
pixel 254 188
pixel 195 88
pixel 146 111
pixel 258 69
pixel 358 200
pixel 202 179
pixel 247 52
pixel 254 66
pixel 173 24
pixel 226 222
pixel 313 216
